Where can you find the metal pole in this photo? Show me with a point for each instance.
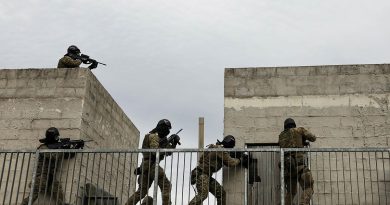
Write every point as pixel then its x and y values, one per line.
pixel 246 184
pixel 282 185
pixel 156 177
pixel 33 177
pixel 201 133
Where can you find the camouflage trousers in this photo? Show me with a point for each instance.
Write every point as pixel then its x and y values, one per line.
pixel 145 180
pixel 206 184
pixel 302 175
pixel 48 186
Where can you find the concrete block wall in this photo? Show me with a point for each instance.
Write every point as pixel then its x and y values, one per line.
pixel 73 100
pixel 344 105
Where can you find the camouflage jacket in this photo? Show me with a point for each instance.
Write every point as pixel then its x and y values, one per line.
pixel 68 62
pixel 294 138
pixel 211 162
pixel 152 141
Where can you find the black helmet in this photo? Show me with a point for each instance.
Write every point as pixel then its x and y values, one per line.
pixel 289 123
pixel 164 123
pixel 52 135
pixel 229 141
pixel 73 49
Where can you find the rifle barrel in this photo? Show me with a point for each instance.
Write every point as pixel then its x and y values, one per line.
pixel 179 131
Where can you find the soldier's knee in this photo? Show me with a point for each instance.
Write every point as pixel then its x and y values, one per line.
pixel 307 179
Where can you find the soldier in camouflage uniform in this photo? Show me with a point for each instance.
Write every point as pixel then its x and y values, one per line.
pixel 295 168
pixel 72 59
pixel 46 181
pixel 153 140
pixel 209 163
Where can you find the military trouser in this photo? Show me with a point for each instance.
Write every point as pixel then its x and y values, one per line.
pixel 145 180
pixel 298 173
pixel 206 184
pixel 53 190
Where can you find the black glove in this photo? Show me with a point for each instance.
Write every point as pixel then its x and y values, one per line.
pixel 176 139
pixel 306 143
pixel 93 65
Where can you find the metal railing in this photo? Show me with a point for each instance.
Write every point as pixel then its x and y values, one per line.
pixel 340 176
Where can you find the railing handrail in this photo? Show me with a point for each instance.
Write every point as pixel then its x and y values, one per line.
pixel 100 150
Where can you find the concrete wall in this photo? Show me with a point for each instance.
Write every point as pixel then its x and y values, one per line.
pixel 73 100
pixel 344 105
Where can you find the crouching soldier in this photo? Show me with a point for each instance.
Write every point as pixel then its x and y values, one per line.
pixel 295 168
pixel 155 139
pixel 209 163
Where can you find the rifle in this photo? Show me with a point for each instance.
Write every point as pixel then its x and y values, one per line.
pixel 87 60
pixel 250 163
pixel 173 139
pixel 66 143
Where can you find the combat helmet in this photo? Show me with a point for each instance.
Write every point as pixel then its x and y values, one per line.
pixel 164 123
pixel 52 135
pixel 289 123
pixel 228 141
pixel 73 50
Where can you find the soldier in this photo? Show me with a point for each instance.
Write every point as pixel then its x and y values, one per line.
pixel 209 163
pixel 295 168
pixel 46 181
pixel 155 139
pixel 72 59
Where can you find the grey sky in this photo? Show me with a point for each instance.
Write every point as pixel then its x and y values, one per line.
pixel 166 58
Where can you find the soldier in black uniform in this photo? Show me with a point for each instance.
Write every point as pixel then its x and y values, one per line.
pixel 46 181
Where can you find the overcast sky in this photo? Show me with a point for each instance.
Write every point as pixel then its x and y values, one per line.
pixel 166 59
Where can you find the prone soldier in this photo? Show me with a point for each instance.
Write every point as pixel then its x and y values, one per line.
pixel 155 139
pixel 46 180
pixel 209 163
pixel 294 162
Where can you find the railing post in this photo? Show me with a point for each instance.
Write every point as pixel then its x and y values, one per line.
pixel 33 177
pixel 155 189
pixel 282 185
pixel 246 183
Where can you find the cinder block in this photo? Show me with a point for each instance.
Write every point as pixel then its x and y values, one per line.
pixel 244 72
pixel 265 72
pixel 350 70
pixel 285 71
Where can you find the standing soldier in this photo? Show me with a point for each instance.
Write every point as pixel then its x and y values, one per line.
pixel 46 181
pixel 73 59
pixel 209 163
pixel 155 139
pixel 295 168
